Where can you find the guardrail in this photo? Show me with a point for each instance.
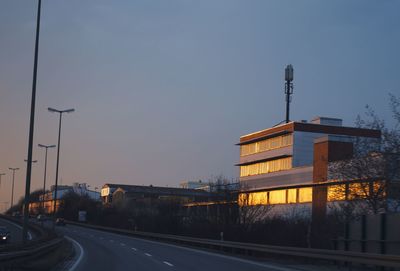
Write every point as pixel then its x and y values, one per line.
pixel 13 254
pixel 238 247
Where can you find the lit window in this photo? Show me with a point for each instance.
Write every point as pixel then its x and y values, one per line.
pixel 255 198
pixel 336 192
pixel 358 190
pixel 305 194
pixel 292 196
pixel 277 197
pixel 266 167
pixel 266 144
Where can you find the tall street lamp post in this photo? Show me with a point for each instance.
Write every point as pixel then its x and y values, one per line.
pixel 1 174
pixel 45 169
pixel 12 186
pixel 31 129
pixel 58 155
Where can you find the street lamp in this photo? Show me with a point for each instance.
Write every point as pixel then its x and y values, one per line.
pixel 45 169
pixel 1 174
pixel 33 161
pixel 12 187
pixel 58 154
pixel 31 130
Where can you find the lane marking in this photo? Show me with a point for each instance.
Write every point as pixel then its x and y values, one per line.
pixel 81 253
pixel 167 263
pixel 20 227
pixel 147 254
pixel 134 249
pixel 271 266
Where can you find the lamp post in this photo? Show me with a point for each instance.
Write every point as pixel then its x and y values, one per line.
pixel 58 155
pixel 31 129
pixel 45 169
pixel 1 174
pixel 12 187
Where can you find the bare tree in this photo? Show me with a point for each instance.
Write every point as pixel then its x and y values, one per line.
pixel 373 172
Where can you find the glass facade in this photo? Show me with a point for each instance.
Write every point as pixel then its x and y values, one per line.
pixel 266 144
pixel 266 167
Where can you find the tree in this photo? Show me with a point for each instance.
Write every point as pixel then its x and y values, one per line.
pixel 374 168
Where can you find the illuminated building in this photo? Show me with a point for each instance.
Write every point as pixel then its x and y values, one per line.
pixel 283 164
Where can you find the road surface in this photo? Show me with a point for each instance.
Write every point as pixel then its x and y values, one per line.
pixel 15 230
pixel 99 250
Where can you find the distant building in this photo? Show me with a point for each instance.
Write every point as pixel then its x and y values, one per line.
pixel 112 192
pixel 47 200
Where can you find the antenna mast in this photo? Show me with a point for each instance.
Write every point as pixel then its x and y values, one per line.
pixel 288 88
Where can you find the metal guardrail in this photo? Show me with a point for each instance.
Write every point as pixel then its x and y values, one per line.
pixel 44 243
pixel 29 252
pixel 321 254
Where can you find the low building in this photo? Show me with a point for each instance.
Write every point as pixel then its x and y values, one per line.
pixel 46 201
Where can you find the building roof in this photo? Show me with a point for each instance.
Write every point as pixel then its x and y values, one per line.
pixel 164 191
pixel 308 127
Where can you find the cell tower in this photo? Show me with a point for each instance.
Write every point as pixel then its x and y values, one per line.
pixel 288 88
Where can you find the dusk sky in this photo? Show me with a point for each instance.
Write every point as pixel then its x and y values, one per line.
pixel 164 89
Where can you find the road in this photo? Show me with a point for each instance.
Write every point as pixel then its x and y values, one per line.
pixel 15 231
pixel 99 250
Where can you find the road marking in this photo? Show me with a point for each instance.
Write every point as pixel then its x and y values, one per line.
pixel 82 252
pixel 134 249
pixel 167 263
pixel 20 227
pixel 147 254
pixel 122 244
pixel 271 266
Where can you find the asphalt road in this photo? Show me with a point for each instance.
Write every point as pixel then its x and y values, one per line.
pixel 15 231
pixel 98 250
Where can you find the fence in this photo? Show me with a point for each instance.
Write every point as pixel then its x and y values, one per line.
pixel 372 234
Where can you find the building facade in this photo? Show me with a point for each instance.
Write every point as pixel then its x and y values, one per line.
pixel 282 164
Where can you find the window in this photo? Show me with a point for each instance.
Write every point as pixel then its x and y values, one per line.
pixel 266 167
pixel 305 194
pixel 292 196
pixel 266 144
pixel 336 192
pixel 250 199
pixel 277 197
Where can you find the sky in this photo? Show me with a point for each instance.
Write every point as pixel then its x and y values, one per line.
pixel 164 89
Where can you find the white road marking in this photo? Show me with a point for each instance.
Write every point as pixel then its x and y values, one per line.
pixel 20 227
pixel 82 252
pixel 122 244
pixel 147 254
pixel 167 263
pixel 271 266
pixel 134 249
